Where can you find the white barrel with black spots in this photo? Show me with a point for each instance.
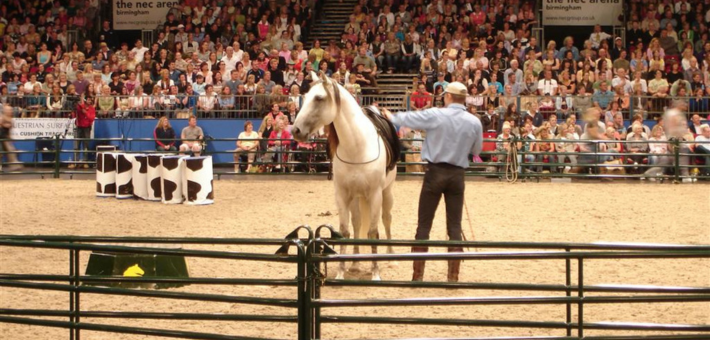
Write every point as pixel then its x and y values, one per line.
pixel 106 174
pixel 140 176
pixel 197 186
pixel 153 180
pixel 124 175
pixel 171 179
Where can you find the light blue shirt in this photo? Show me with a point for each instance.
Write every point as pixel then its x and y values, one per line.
pixel 603 98
pixel 443 84
pixel 452 133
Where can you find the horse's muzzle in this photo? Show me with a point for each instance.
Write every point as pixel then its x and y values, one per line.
pixel 298 134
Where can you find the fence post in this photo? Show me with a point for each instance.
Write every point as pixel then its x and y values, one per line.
pixel 71 294
pixel 517 105
pixel 568 293
pixel 304 321
pixel 57 154
pixel 77 305
pixel 676 156
pixel 311 282
pixel 597 168
pixel 580 295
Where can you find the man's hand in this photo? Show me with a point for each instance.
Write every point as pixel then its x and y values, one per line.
pixel 387 113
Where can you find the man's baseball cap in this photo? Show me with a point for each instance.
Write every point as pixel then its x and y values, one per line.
pixel 456 88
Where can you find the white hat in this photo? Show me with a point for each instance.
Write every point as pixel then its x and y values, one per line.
pixel 181 26
pixel 456 88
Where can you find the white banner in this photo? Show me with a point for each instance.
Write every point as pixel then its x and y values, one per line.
pixel 582 12
pixel 140 14
pixel 32 128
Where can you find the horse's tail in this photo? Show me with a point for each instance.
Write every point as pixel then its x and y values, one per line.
pixel 364 219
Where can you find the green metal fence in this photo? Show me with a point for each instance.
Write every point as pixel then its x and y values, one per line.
pixel 682 163
pixel 313 252
pixel 75 284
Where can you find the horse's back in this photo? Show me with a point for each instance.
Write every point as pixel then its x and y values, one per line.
pixel 388 134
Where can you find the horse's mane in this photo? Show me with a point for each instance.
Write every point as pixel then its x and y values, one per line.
pixel 388 132
pixel 333 139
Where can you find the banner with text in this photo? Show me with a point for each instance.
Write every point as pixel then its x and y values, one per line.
pixel 140 14
pixel 582 12
pixel 32 128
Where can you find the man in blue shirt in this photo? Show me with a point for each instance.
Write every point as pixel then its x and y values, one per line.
pixel 452 134
pixel 441 82
pixel 568 45
pixel 603 97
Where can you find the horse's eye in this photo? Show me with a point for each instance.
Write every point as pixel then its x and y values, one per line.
pixel 319 99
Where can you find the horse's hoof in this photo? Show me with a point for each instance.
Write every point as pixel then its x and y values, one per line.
pixel 376 277
pixel 340 276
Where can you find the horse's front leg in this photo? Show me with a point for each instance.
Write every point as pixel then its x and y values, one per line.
pixel 344 217
pixel 373 233
pixel 387 203
pixel 356 219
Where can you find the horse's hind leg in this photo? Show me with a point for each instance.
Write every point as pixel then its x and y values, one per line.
pixel 373 233
pixel 356 219
pixel 387 203
pixel 343 216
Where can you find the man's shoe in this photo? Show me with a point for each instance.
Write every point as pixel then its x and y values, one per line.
pixel 419 265
pixel 454 266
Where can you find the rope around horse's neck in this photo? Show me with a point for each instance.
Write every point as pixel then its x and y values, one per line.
pixel 379 151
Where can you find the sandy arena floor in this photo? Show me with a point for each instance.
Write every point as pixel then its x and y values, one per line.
pixel 618 212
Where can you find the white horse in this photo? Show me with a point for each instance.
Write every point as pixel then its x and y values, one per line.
pixel 364 148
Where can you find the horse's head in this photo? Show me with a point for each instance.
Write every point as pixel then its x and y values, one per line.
pixel 319 107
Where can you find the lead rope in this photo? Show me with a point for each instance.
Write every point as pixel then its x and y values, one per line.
pixel 379 151
pixel 470 226
pixel 511 163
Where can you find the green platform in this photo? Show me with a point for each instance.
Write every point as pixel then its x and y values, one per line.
pixel 115 264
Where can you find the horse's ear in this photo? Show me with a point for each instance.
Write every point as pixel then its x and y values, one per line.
pixel 314 76
pixel 324 77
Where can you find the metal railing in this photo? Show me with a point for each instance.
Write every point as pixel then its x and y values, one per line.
pixel 560 251
pixel 60 156
pixel 256 106
pixel 75 284
pixel 314 252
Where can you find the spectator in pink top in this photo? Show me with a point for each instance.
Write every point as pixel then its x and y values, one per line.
pixel 263 27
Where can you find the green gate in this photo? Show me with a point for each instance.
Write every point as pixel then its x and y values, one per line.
pixel 310 253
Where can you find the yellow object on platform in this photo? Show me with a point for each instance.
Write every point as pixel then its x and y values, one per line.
pixel 134 271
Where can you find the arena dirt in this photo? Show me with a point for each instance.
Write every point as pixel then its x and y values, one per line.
pixel 594 212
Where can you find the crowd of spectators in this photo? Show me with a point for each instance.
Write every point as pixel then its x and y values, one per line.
pixel 221 57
